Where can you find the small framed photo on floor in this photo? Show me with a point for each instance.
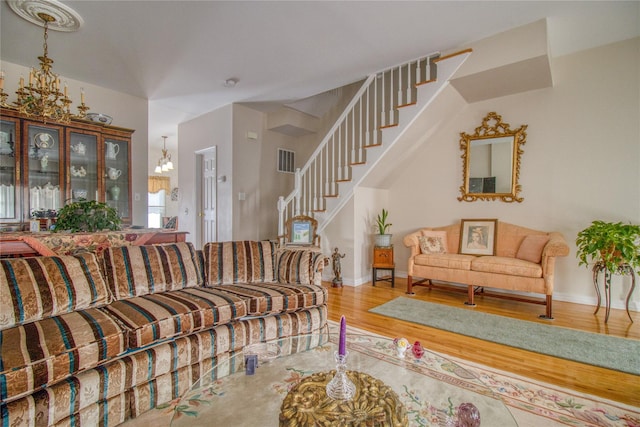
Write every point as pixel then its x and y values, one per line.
pixel 478 236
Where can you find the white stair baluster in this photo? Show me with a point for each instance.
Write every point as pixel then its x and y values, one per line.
pixel 361 140
pixel 346 150
pixel 352 142
pixel 339 148
pixel 389 103
pixel 374 129
pixel 333 160
pixel 400 87
pixel 383 105
pixel 312 183
pixel 367 134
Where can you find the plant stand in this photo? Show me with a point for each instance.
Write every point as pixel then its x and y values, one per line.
pixel 383 260
pixel 623 269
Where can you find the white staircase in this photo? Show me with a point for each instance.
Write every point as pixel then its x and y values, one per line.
pixel 386 105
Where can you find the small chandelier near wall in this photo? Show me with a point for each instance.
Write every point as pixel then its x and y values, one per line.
pixel 164 163
pixel 42 98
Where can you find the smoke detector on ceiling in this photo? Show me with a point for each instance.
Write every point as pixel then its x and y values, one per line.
pixel 230 82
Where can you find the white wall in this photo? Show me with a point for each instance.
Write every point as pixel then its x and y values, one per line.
pixel 341 234
pixel 274 184
pixel 249 166
pixel 127 111
pixel 352 233
pixel 209 130
pixel 580 163
pixel 247 173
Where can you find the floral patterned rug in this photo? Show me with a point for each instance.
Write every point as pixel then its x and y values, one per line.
pixel 531 403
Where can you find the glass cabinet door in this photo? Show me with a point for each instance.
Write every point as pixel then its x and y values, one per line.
pixel 44 169
pixel 83 166
pixel 10 201
pixel 116 167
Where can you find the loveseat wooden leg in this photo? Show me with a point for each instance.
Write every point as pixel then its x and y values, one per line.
pixel 410 286
pixel 549 313
pixel 470 293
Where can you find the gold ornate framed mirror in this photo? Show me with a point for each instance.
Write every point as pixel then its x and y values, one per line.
pixel 491 161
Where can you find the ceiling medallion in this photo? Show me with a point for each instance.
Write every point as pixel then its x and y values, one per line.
pixel 64 18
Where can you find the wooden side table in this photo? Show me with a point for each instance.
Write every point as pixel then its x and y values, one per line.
pixel 383 260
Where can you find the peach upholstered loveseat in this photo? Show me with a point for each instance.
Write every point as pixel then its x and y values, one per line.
pixel 524 260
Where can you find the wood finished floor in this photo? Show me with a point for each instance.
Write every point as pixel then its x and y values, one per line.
pixel 354 303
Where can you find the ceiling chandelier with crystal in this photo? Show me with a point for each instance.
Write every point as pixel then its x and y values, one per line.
pixel 41 97
pixel 164 163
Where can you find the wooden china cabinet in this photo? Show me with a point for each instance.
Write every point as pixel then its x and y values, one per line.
pixel 45 165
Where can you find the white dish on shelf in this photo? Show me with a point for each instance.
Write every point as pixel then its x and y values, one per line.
pixel 43 140
pixel 78 172
pixel 100 118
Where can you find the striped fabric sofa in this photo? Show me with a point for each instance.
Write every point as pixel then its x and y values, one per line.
pixel 98 339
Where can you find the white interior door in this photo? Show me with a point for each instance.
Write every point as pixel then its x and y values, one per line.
pixel 208 212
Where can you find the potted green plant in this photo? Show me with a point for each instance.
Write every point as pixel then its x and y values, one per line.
pixel 87 215
pixel 611 244
pixel 382 239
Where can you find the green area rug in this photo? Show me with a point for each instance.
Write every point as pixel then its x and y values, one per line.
pixel 609 352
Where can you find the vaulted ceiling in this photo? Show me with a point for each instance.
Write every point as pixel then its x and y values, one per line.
pixel 178 54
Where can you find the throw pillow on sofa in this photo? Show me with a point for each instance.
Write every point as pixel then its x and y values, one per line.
pixel 27 291
pixel 140 270
pixel 433 242
pixel 531 248
pixel 228 263
pixel 297 267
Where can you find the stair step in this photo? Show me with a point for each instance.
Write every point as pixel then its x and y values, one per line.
pixel 426 82
pixel 378 144
pixel 406 105
pixel 388 126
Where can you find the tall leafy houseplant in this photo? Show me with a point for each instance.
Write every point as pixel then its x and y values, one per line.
pixel 87 215
pixel 611 244
pixel 382 238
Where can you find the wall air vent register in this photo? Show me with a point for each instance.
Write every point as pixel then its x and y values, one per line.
pixel 286 161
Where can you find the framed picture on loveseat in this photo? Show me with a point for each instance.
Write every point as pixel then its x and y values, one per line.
pixel 478 236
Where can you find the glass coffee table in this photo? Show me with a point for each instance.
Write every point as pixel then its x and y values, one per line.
pixel 426 391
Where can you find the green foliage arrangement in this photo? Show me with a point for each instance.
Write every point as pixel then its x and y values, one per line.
pixel 381 222
pixel 87 215
pixel 610 243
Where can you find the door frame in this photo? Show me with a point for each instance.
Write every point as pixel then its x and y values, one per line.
pixel 200 154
